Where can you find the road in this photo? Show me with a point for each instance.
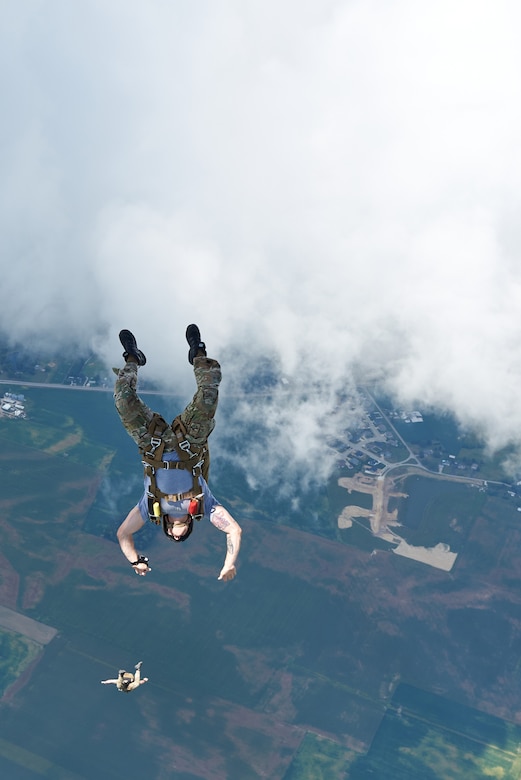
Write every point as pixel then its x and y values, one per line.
pixel 411 462
pixel 27 383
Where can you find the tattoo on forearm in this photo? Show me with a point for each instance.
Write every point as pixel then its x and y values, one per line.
pixel 229 545
pixel 219 520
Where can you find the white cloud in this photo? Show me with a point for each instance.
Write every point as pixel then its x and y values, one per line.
pixel 335 184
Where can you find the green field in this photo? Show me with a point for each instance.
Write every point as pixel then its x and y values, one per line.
pixel 16 653
pixel 53 433
pixel 319 758
pixel 16 759
pixel 429 737
pixel 438 511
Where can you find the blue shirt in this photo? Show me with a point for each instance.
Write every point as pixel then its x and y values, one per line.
pixel 176 481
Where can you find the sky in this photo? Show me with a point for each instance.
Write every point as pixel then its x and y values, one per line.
pixel 328 185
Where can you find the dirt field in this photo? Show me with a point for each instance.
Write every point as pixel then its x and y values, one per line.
pixel 36 631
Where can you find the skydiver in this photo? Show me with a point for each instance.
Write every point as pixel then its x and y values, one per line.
pixel 175 456
pixel 127 681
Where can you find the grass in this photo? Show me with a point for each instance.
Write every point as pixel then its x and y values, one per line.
pixel 427 736
pixel 16 653
pixel 319 758
pixel 65 441
pixel 438 511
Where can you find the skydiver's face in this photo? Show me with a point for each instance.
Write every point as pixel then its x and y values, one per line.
pixel 177 526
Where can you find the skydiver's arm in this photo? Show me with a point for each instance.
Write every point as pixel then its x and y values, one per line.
pixel 223 520
pixel 105 682
pixel 132 523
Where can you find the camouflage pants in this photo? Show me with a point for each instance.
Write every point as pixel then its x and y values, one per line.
pixel 198 417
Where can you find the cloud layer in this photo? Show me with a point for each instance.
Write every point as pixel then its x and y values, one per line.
pixel 333 185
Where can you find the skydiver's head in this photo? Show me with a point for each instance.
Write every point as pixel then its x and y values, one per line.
pixel 178 529
pixel 124 680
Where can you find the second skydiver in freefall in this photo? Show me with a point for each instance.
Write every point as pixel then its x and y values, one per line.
pixel 126 681
pixel 176 457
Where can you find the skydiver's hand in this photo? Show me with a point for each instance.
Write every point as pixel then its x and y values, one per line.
pixel 142 569
pixel 227 573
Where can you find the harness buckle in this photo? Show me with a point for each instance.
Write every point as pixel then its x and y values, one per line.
pixel 185 446
pixel 155 441
pixel 198 468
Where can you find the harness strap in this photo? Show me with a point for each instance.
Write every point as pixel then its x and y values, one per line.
pixel 155 506
pixel 189 460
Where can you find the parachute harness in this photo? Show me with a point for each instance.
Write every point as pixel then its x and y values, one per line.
pixel 189 460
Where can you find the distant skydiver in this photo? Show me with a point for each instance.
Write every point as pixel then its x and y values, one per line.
pixel 127 681
pixel 176 457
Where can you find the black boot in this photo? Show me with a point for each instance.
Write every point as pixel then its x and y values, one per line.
pixel 197 347
pixel 129 344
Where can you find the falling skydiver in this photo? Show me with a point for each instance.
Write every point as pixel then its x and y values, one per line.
pixel 126 681
pixel 176 457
